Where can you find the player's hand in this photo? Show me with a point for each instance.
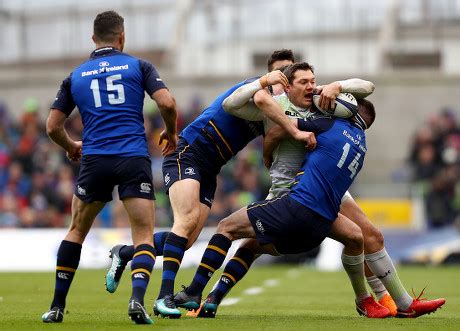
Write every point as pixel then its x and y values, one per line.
pixel 308 138
pixel 328 93
pixel 276 77
pixel 74 153
pixel 171 142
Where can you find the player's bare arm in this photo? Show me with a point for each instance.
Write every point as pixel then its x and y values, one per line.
pixel 273 111
pixel 360 88
pixel 239 102
pixel 167 105
pixel 56 131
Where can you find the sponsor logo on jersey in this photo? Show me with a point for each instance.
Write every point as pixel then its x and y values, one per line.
pixel 63 275
pixel 189 171
pixel 145 188
pixel 81 190
pixel 104 69
pixel 139 275
pixel 225 280
pixel 104 64
pixel 159 79
pixel 260 227
pixel 167 178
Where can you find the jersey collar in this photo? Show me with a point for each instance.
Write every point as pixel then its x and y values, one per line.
pixel 104 51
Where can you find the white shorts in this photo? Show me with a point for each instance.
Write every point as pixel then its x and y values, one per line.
pixel 347 196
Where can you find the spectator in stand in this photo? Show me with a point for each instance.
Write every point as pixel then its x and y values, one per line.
pixel 435 161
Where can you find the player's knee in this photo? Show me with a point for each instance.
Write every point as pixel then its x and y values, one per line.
pixel 355 240
pixel 373 238
pixel 186 223
pixel 225 228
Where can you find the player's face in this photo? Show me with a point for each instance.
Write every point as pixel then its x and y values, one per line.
pixel 300 92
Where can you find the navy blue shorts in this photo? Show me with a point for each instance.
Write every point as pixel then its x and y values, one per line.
pixel 190 161
pixel 100 173
pixel 289 225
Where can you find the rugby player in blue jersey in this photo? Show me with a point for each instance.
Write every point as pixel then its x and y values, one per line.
pixel 108 90
pixel 190 173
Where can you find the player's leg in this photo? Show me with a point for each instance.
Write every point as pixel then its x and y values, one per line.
pixel 373 241
pixel 349 234
pixel 380 263
pixel 121 254
pixel 141 214
pixel 189 214
pixel 68 256
pixel 236 268
pixel 229 229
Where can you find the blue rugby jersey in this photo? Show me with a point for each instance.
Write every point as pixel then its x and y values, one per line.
pixel 221 132
pixel 328 171
pixel 108 90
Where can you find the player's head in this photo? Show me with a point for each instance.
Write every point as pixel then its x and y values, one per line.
pixel 302 82
pixel 280 58
pixel 366 113
pixel 108 30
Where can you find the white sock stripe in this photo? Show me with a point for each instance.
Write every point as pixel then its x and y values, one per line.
pixel 353 259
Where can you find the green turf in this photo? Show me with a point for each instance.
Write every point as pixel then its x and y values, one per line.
pixel 303 299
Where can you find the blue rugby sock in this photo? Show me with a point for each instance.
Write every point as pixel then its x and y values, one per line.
pixel 173 252
pixel 234 271
pixel 68 258
pixel 141 269
pixel 213 257
pixel 159 238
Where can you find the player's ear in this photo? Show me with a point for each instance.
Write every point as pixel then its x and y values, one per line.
pixel 121 40
pixel 94 39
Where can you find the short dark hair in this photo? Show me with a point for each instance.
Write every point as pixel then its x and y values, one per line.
pixel 108 25
pixel 291 70
pixel 366 110
pixel 280 55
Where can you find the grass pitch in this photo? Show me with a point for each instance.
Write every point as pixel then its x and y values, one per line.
pixel 270 298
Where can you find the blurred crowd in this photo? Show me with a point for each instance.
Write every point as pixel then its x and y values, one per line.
pixel 37 181
pixel 435 163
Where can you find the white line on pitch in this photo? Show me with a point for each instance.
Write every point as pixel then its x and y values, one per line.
pixel 271 282
pixel 229 301
pixel 253 290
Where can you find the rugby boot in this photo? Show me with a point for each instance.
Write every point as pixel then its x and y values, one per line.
pixel 387 301
pixel 165 307
pixel 113 276
pixel 54 315
pixel 421 307
pixel 208 308
pixel 187 301
pixel 137 313
pixel 372 309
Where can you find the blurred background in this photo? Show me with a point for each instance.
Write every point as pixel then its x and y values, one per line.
pixel 409 185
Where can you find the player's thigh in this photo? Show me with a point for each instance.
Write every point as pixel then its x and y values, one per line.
pixel 140 211
pixel 184 196
pixel 348 233
pixel 257 249
pixel 373 237
pixel 237 225
pixel 83 215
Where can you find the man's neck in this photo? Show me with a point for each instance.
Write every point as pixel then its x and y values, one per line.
pixel 108 45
